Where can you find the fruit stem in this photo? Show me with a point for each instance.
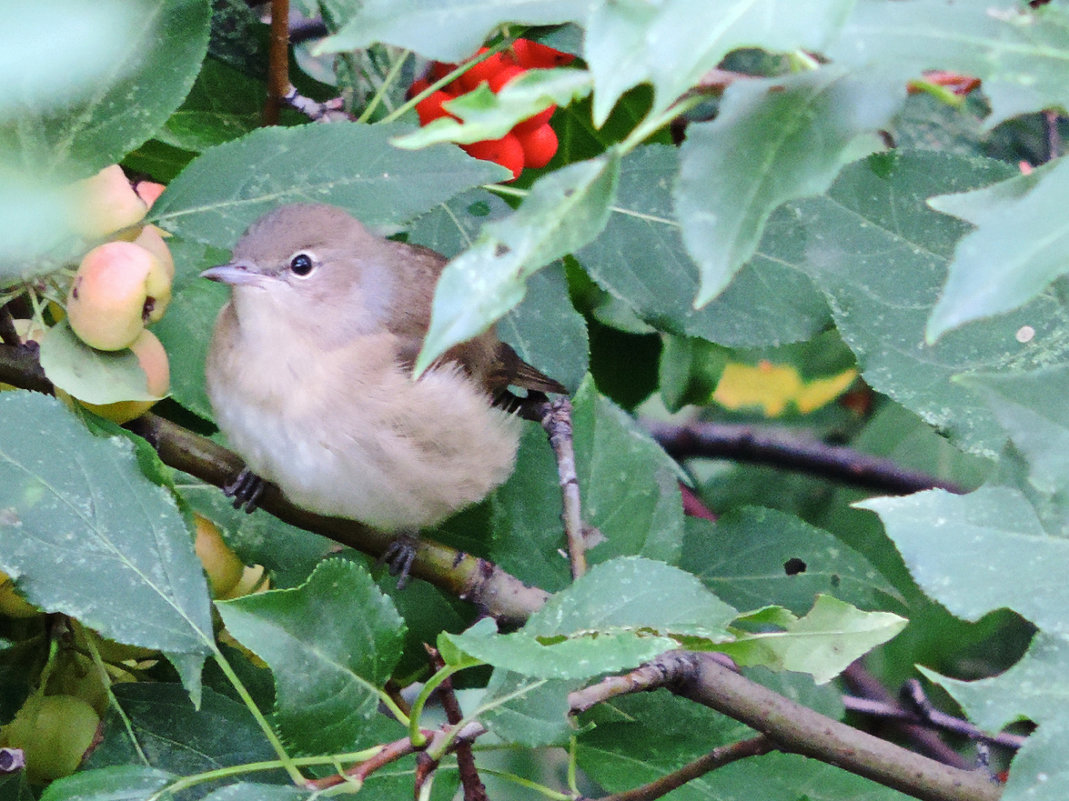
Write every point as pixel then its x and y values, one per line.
pixel 391 76
pixel 433 683
pixel 284 758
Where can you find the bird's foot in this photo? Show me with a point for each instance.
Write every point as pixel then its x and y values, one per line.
pixel 398 557
pixel 245 490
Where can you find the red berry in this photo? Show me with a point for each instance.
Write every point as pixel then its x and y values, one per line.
pixel 417 86
pixel 506 151
pixel 533 55
pixel 532 123
pixel 439 70
pixel 430 107
pixel 503 76
pixel 484 71
pixel 539 146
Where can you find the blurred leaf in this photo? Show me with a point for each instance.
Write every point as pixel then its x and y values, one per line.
pixel 957 546
pixel 640 259
pixel 822 643
pixel 770 388
pixel 92 375
pixel 247 791
pixel 328 662
pixel 791 133
pixel 1019 246
pixel 880 254
pixel 222 105
pixel 71 527
pixel 447 30
pixel 753 557
pixel 564 210
pixel 674 43
pixel 156 55
pixel 488 115
pixel 526 711
pixel 120 783
pixel 1018 53
pixel 160 723
pixel 349 165
pixel 629 495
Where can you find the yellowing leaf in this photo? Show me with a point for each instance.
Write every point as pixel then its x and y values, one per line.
pixel 770 387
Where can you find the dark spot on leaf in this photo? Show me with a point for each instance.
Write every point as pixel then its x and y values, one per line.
pixel 501 250
pixel 479 209
pixel 794 566
pixel 835 580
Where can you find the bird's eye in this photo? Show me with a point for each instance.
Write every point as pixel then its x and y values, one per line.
pixel 302 264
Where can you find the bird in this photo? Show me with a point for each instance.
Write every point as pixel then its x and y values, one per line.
pixel 310 378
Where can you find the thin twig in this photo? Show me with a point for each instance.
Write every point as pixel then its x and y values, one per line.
pixel 717 758
pixel 748 444
pixel 474 789
pixel 278 79
pixel 557 421
pixel 940 720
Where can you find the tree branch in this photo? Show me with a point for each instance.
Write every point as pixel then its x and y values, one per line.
pixel 278 79
pixel 744 443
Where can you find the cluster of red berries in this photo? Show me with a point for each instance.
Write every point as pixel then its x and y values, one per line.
pixel 531 143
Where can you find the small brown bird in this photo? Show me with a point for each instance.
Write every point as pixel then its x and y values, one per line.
pixel 310 375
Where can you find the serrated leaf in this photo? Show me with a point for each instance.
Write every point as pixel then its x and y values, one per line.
pixel 526 711
pixel 564 210
pixel 150 72
pixel 958 547
pixel 545 328
pixel 822 643
pixel 447 30
pixel 636 593
pixel 1019 246
pixel 346 164
pixel 1018 53
pixel 77 515
pixel 772 141
pixel 488 115
pixel 752 557
pixel 672 44
pixel 768 303
pixel 329 663
pixel 120 783
pixel 92 375
pixel 629 494
pixel 1034 688
pixel 1031 408
pixel 578 657
pixel 880 255
pixel 158 723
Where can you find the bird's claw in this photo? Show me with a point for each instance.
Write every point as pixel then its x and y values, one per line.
pixel 245 490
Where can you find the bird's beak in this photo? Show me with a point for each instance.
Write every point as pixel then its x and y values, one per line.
pixel 235 274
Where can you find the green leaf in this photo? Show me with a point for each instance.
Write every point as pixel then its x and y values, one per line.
pixel 223 104
pixel 768 303
pixel 349 165
pixel 822 643
pixel 488 115
pixel 628 487
pixel 792 777
pixel 632 592
pixel 564 210
pixel 957 548
pixel 120 783
pixel 1019 246
pixel 578 657
pixel 671 45
pixel 447 30
pixel 82 528
pixel 525 711
pixel 94 376
pixel 329 663
pixel 545 329
pixel 772 141
pixel 152 66
pixel 248 791
pixel 752 557
pixel 159 722
pixel 1017 52
pixel 1031 408
pixel 880 255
